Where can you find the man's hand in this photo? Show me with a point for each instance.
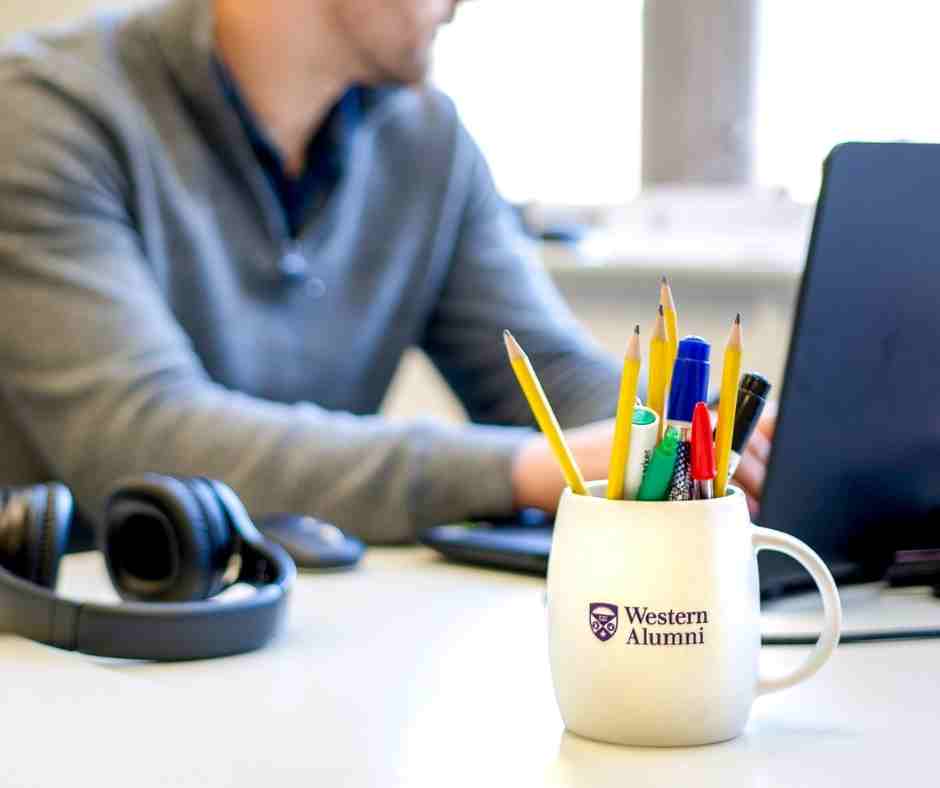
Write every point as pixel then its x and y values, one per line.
pixel 538 481
pixel 536 476
pixel 752 470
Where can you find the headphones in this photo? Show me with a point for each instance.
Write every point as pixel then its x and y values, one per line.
pixel 170 544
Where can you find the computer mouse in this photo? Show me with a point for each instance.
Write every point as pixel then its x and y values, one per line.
pixel 312 543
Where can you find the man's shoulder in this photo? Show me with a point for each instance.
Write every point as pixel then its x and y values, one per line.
pixel 81 67
pixel 68 96
pixel 62 53
pixel 411 109
pixel 418 119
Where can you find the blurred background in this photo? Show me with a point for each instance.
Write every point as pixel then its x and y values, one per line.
pixel 683 137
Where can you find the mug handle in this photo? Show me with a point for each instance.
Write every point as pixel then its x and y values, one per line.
pixel 768 539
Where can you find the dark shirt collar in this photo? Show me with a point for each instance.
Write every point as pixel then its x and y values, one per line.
pixel 184 32
pixel 327 151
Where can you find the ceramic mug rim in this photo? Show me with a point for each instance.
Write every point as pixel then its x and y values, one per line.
pixel 597 489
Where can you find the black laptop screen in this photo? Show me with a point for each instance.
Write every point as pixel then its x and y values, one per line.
pixel 855 467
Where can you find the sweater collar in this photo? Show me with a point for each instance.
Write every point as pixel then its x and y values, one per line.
pixel 185 31
pixel 326 155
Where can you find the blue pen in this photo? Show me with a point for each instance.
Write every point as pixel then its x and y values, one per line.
pixel 689 386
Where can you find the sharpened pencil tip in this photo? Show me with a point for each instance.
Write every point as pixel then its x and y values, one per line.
pixel 664 280
pixel 633 344
pixel 512 347
pixel 737 318
pixel 665 295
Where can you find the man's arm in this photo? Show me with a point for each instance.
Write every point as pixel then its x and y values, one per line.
pixel 106 383
pixel 495 284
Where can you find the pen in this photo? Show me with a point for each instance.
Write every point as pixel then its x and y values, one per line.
pixel 620 451
pixel 689 386
pixel 727 405
pixel 703 454
pixel 543 413
pixel 659 471
pixel 752 397
pixel 643 438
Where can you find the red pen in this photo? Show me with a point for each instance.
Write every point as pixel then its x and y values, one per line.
pixel 703 454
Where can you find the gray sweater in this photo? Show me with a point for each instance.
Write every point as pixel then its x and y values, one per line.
pixel 152 318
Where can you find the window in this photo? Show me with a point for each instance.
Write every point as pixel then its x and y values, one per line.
pixel 550 89
pixel 836 71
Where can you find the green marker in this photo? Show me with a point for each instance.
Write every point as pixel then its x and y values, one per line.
pixel 658 474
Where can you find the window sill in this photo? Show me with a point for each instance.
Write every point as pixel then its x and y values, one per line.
pixel 721 232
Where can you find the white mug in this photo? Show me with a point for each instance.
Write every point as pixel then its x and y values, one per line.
pixel 654 617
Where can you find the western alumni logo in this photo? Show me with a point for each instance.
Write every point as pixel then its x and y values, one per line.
pixel 686 627
pixel 602 617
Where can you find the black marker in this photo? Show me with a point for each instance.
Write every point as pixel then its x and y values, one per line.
pixel 752 397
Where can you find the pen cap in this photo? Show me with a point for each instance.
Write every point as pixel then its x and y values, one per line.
pixel 703 450
pixel 643 438
pixel 689 378
pixel 752 396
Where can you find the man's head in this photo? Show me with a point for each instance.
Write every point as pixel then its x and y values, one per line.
pixel 390 40
pixel 293 58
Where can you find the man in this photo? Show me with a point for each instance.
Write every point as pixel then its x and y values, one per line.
pixel 222 222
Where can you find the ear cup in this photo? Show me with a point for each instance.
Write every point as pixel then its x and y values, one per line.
pixel 221 538
pixel 166 539
pixel 54 528
pixel 34 529
pixel 14 531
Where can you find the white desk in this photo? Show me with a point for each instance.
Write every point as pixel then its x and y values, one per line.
pixel 411 671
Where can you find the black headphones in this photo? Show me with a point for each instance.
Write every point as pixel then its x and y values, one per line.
pixel 170 544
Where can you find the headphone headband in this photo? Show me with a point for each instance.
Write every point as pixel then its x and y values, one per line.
pixel 163 630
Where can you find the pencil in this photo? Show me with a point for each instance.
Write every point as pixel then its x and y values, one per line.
pixel 672 329
pixel 730 374
pixel 656 383
pixel 620 453
pixel 544 415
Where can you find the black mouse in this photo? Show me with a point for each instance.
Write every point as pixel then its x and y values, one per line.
pixel 312 543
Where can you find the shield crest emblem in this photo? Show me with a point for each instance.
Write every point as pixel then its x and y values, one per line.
pixel 602 616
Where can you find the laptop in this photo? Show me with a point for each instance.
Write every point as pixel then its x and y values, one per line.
pixel 855 466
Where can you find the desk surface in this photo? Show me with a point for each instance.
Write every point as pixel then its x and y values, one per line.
pixel 412 671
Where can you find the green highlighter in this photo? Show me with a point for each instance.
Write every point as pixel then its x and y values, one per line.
pixel 658 474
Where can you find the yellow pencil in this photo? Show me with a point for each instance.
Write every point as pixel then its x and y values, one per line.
pixel 620 453
pixel 672 331
pixel 544 415
pixel 656 382
pixel 730 374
